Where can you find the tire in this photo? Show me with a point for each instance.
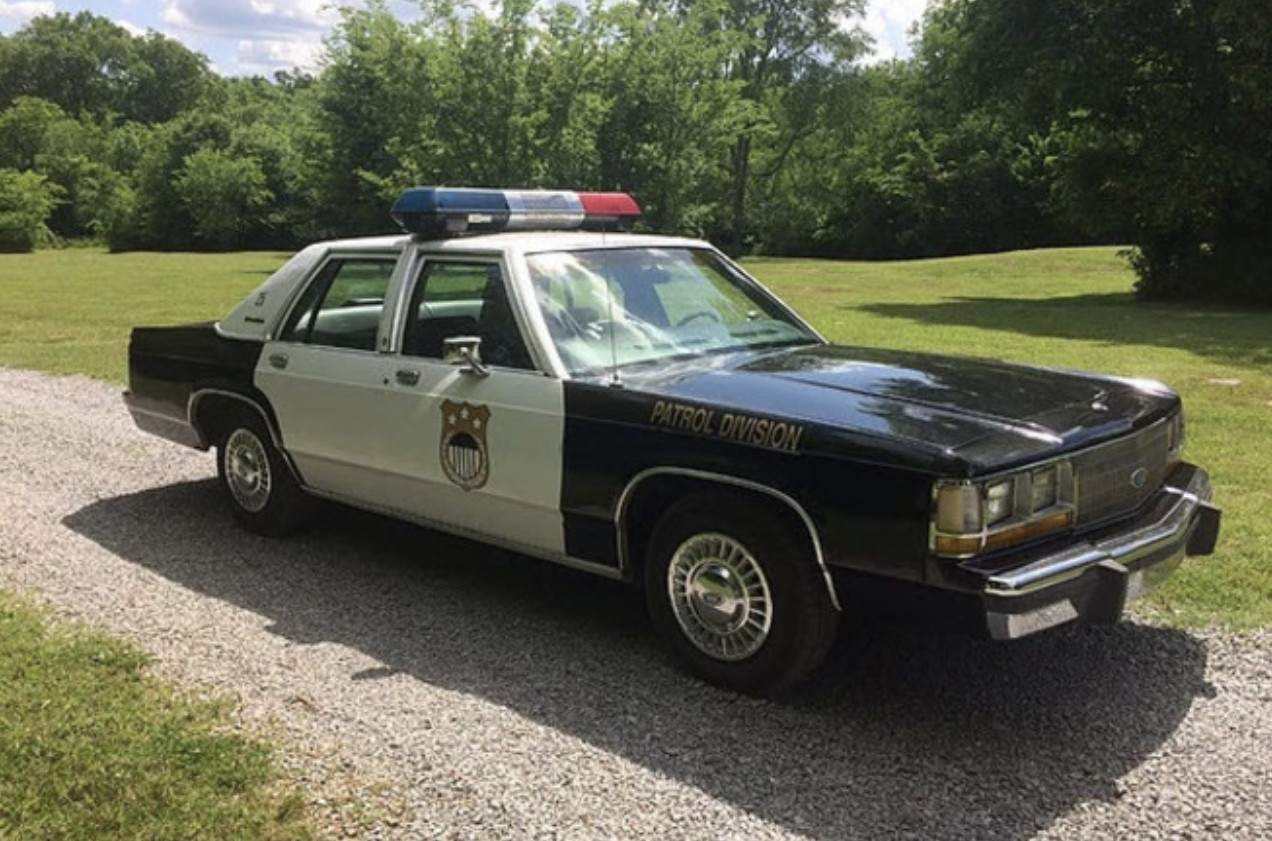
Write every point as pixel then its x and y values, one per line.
pixel 736 595
pixel 263 494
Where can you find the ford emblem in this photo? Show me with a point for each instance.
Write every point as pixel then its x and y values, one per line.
pixel 1138 477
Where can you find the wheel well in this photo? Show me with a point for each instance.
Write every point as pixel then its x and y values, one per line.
pixel 654 496
pixel 215 413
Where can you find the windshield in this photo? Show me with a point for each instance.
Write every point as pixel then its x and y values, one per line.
pixel 626 306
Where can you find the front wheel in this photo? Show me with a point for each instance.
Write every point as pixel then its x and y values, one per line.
pixel 736 595
pixel 263 494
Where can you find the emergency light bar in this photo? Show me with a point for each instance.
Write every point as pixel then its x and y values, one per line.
pixel 449 211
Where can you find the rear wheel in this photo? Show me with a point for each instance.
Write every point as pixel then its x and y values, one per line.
pixel 263 494
pixel 735 593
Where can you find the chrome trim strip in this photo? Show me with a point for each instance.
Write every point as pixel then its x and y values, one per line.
pixel 612 573
pixel 1123 548
pixel 620 511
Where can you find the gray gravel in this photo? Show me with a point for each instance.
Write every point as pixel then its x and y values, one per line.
pixel 425 687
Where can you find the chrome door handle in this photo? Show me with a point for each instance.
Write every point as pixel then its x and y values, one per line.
pixel 278 360
pixel 408 377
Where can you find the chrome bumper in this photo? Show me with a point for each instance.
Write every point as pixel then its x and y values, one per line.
pixel 1094 579
pixel 150 417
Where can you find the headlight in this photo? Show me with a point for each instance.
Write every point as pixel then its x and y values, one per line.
pixel 1046 487
pixel 974 517
pixel 999 498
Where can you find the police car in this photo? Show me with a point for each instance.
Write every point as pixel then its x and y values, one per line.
pixel 518 369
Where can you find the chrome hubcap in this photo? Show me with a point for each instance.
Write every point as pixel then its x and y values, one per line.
pixel 247 470
pixel 720 596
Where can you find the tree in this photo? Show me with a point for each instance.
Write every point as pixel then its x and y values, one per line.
pixel 88 65
pixel 674 113
pixel 784 45
pixel 1160 114
pixel 26 201
pixel 376 106
pixel 225 194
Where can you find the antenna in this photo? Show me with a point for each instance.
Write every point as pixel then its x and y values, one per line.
pixel 615 380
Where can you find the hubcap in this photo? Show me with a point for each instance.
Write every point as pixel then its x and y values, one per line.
pixel 247 470
pixel 720 596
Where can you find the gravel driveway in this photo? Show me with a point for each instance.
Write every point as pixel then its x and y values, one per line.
pixel 465 693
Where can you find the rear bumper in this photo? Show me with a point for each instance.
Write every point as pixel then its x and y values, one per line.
pixel 1091 581
pixel 157 419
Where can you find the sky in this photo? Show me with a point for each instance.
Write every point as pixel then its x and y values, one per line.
pixel 259 37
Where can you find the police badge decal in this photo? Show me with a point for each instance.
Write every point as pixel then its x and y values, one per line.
pixel 465 458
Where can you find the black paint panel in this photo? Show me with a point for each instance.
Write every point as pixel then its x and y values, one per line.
pixel 861 435
pixel 167 364
pixel 869 518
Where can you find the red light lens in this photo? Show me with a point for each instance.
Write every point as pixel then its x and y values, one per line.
pixel 609 204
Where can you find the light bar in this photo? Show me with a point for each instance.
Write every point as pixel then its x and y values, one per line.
pixel 450 211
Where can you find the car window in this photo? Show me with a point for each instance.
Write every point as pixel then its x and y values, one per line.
pixel 624 306
pixel 462 298
pixel 341 307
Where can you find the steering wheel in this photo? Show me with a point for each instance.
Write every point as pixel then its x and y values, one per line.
pixel 694 316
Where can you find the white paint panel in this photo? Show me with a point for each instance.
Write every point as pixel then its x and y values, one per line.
pixel 356 431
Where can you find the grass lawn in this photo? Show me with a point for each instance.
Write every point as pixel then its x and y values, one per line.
pixel 93 748
pixel 70 311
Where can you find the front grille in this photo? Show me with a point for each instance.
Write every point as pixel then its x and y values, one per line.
pixel 1105 474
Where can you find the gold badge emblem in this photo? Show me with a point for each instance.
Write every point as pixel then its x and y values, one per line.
pixel 465 458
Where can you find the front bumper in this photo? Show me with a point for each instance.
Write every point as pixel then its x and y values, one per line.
pixel 1092 580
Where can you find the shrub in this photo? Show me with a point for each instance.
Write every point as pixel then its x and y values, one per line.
pixel 27 200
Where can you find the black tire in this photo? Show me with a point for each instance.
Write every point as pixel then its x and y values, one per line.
pixel 262 492
pixel 734 592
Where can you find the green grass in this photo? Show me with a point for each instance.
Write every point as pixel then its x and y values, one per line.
pixel 92 747
pixel 70 311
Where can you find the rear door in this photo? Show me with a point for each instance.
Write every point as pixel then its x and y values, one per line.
pixel 323 366
pixel 390 425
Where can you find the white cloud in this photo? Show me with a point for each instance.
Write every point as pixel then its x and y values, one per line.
pixel 268 35
pixel 283 19
pixel 14 14
pixel 265 56
pixel 888 21
pixel 132 28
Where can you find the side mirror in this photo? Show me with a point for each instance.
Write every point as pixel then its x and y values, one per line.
pixel 465 351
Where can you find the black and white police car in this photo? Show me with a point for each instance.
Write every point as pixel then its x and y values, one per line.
pixel 517 369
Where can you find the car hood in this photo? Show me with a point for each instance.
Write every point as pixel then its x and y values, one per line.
pixel 981 414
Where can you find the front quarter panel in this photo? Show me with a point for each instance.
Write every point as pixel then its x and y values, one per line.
pixel 869 517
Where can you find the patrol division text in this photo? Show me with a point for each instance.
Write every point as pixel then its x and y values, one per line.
pixel 747 429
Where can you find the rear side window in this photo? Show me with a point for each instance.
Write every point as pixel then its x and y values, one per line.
pixel 341 307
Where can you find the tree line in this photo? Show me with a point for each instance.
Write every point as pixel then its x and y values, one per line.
pixel 1016 124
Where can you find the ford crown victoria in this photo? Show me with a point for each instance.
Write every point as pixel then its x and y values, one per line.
pixel 517 369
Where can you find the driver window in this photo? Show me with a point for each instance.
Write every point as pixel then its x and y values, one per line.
pixel 453 299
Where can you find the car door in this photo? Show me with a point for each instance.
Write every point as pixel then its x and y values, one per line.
pixel 403 431
pixel 322 368
pixel 483 453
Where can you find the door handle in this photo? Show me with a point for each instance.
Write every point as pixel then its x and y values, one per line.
pixel 408 377
pixel 278 360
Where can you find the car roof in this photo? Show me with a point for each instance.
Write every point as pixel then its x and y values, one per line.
pixel 524 242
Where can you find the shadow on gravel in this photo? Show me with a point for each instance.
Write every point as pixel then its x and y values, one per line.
pixel 906 734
